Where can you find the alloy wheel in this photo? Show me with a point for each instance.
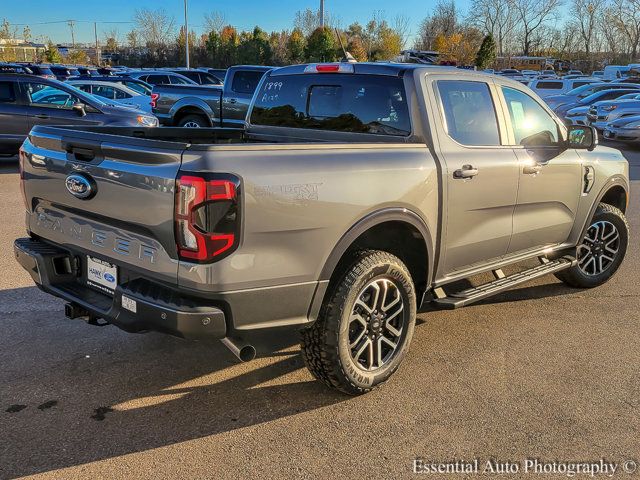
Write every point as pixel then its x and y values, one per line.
pixel 599 248
pixel 376 324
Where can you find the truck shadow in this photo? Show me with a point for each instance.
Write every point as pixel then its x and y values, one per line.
pixel 102 393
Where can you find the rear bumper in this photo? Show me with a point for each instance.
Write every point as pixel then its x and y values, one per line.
pixel 150 306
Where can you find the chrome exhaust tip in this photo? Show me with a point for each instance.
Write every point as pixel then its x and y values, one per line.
pixel 241 349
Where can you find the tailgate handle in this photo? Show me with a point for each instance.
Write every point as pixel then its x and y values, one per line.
pixel 82 154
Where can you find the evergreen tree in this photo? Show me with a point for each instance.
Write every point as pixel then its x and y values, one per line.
pixel 487 53
pixel 321 46
pixel 52 54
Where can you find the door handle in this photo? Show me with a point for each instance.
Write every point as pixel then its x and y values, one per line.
pixel 42 116
pixel 532 169
pixel 467 171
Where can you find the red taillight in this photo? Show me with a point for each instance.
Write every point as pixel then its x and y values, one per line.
pixel 154 99
pixel 329 68
pixel 22 157
pixel 207 217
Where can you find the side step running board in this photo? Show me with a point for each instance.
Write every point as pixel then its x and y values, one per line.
pixel 502 283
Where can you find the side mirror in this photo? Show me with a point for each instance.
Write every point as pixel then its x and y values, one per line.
pixel 79 108
pixel 582 137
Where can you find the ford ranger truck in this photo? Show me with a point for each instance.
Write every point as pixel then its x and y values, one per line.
pixel 357 194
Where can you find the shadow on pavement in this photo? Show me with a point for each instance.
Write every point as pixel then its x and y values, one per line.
pixel 104 393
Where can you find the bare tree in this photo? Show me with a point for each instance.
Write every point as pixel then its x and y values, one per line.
pixel 614 41
pixel 214 21
pixel 495 17
pixel 402 26
pixel 443 21
pixel 531 15
pixel 627 19
pixel 586 14
pixel 155 27
pixel 111 40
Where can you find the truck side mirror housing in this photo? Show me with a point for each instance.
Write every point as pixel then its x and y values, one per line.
pixel 79 108
pixel 582 137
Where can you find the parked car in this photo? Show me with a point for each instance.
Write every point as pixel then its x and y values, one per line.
pixel 159 77
pixel 88 71
pixel 63 73
pixel 589 100
pixel 604 112
pixel 572 96
pixel 598 74
pixel 133 83
pixel 114 91
pixel 39 69
pixel 625 129
pixel 547 87
pixel 200 106
pixel 615 72
pixel 575 72
pixel 326 215
pixel 577 116
pixel 200 77
pixel 15 68
pixel 27 101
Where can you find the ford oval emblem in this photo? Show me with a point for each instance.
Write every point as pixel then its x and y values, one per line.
pixel 80 186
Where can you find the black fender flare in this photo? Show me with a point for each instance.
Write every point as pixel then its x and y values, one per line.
pixel 615 181
pixel 394 214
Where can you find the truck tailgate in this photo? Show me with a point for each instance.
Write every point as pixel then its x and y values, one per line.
pixel 126 215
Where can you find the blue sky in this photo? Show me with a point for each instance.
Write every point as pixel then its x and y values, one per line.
pixel 244 14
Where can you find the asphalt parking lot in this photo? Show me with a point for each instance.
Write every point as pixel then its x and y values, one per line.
pixel 543 371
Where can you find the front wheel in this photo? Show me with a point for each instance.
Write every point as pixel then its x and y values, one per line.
pixel 365 325
pixel 602 250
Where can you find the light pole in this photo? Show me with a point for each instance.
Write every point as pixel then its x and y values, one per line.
pixel 186 32
pixel 322 13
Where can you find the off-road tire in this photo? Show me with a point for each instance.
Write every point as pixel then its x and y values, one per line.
pixel 326 346
pixel 575 276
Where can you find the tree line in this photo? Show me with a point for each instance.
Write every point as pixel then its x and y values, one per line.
pixel 592 31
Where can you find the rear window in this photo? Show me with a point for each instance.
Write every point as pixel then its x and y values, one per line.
pixel 337 102
pixel 246 82
pixel 549 85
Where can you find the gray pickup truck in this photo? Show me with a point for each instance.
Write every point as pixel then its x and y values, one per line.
pixel 196 106
pixel 357 195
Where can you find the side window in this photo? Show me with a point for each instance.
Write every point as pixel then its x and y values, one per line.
pixel 120 94
pixel 176 80
pixel 7 92
pixel 532 125
pixel 103 91
pixel 136 87
pixel 549 85
pixel 470 115
pixel 84 88
pixel 246 82
pixel 42 95
pixel 158 79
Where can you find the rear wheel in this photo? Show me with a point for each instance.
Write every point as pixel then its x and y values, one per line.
pixel 194 121
pixel 602 250
pixel 365 325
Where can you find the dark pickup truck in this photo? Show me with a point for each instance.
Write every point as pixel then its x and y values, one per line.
pixel 208 106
